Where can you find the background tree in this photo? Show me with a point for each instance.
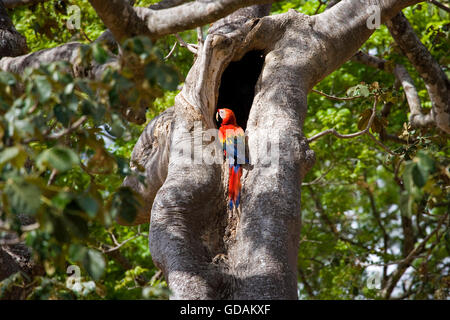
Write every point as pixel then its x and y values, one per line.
pixel 380 199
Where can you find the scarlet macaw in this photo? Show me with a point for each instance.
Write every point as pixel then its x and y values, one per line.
pixel 232 138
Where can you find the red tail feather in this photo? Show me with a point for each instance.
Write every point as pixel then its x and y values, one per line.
pixel 234 185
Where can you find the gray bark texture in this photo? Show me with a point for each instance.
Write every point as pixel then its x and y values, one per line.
pixel 205 250
pixel 436 81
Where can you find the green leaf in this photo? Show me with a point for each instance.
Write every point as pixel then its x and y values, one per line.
pixel 165 76
pixel 8 154
pixel 44 88
pixel 99 53
pixel 89 205
pixel 418 178
pixel 77 252
pixel 61 200
pixel 426 163
pixel 94 263
pixel 116 129
pixel 92 260
pixel 7 78
pixel 408 176
pixel 59 158
pixel 23 197
pixel 364 91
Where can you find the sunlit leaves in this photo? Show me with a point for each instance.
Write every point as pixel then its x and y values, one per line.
pixel 414 184
pixel 358 90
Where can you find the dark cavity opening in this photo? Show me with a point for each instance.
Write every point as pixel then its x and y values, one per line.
pixel 237 86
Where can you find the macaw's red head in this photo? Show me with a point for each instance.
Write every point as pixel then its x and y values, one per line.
pixel 225 116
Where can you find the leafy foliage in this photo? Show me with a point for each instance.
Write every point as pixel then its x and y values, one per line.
pixel 63 155
pixel 361 206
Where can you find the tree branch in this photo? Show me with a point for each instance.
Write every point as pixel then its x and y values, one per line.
pixel 171 51
pixel 435 79
pixel 401 74
pixel 191 47
pixel 348 24
pixel 440 5
pixel 62 133
pixel 158 23
pixel 334 97
pixel 113 11
pixel 165 4
pixel 348 136
pixel 108 249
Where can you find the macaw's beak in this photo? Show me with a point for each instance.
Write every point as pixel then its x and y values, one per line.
pixel 218 119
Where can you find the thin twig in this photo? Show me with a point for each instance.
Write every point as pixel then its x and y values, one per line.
pixel 191 47
pixel 171 51
pixel 10 242
pixel 30 227
pixel 86 36
pixel 157 276
pixel 321 3
pixel 72 128
pixel 52 177
pixel 119 245
pixel 382 145
pixel 388 263
pixel 317 180
pixel 440 5
pixel 348 136
pixel 336 98
pixel 60 134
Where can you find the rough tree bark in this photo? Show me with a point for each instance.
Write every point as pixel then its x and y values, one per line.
pixel 262 67
pixel 205 251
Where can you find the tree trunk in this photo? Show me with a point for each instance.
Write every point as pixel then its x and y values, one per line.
pixel 262 67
